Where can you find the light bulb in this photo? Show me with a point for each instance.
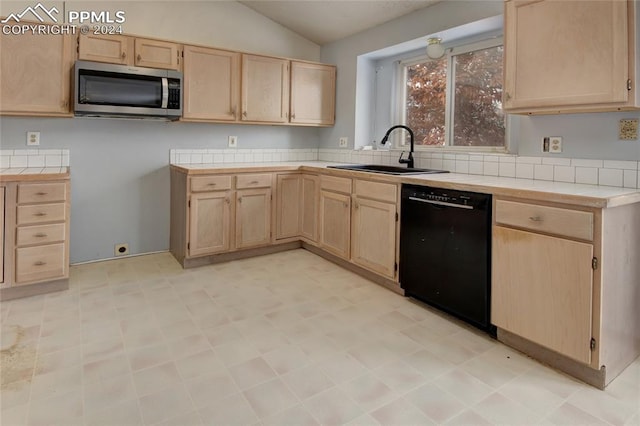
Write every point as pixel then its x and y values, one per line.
pixel 434 48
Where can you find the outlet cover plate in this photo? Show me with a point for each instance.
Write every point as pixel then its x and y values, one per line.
pixel 555 144
pixel 33 138
pixel 344 141
pixel 121 249
pixel 233 141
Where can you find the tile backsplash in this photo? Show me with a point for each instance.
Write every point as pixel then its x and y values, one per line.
pixel 19 158
pixel 574 170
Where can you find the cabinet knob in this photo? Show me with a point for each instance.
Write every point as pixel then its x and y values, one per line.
pixel 293 115
pixel 226 200
pixel 41 193
pixel 535 218
pixel 124 55
pixel 139 57
pixel 40 214
pixel 40 235
pixel 212 184
pixel 239 199
pixel 507 96
pixel 253 182
pixel 345 205
pixel 40 263
pixel 244 113
pixel 356 205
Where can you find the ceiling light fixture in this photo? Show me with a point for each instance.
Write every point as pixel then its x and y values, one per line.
pixel 434 48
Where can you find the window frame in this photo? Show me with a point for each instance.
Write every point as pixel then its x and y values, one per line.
pixel 399 110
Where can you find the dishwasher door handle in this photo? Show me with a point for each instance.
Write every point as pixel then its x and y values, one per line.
pixel 441 203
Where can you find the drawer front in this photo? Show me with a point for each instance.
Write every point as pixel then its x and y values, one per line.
pixel 41 192
pixel 553 220
pixel 40 263
pixel 253 181
pixel 335 184
pixel 40 234
pixel 377 191
pixel 41 213
pixel 210 183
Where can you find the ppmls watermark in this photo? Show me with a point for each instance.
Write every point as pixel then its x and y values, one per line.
pixel 83 21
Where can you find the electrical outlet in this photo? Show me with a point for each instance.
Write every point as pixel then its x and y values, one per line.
pixel 555 144
pixel 628 129
pixel 121 249
pixel 33 138
pixel 233 141
pixel 344 141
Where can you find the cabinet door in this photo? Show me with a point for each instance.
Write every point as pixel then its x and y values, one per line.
pixel 113 49
pixel 542 290
pixel 288 206
pixel 373 240
pixel 253 217
pixel 209 223
pixel 211 84
pixel 157 54
pixel 313 93
pixel 335 223
pixel 309 205
pixel 265 89
pixel 35 73
pixel 563 53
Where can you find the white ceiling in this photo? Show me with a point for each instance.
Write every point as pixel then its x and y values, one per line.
pixel 325 21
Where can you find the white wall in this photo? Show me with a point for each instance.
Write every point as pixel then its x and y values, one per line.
pixel 593 135
pixel 119 168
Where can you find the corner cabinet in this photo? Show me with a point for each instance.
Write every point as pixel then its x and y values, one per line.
pixel 35 74
pixel 313 93
pixel 211 84
pixel 570 56
pixel 335 215
pixel 265 89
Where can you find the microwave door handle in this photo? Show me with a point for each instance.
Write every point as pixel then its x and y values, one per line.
pixel 165 92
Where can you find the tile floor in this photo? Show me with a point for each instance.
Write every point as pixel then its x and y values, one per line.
pixel 284 339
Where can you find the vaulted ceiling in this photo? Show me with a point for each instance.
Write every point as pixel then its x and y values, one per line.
pixel 325 21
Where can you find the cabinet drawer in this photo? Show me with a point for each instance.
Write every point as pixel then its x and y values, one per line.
pixel 41 192
pixel 377 191
pixel 210 183
pixel 40 263
pixel 335 184
pixel 553 220
pixel 40 234
pixel 41 213
pixel 253 181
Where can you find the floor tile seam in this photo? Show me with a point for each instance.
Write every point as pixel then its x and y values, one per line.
pixel 366 410
pixel 540 416
pixel 408 400
pixel 288 388
pixel 568 400
pixel 336 386
pixel 163 389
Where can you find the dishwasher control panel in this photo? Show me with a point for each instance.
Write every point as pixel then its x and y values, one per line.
pixel 442 195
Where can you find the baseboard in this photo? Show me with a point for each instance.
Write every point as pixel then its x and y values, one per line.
pixel 20 291
pixel 553 359
pixel 240 254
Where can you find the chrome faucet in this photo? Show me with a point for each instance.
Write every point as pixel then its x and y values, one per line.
pixel 409 160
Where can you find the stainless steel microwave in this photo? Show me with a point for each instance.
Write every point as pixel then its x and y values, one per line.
pixel 121 91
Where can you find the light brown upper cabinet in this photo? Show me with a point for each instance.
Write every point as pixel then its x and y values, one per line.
pixel 126 50
pixel 211 84
pixel 265 89
pixel 35 74
pixel 313 93
pixel 573 56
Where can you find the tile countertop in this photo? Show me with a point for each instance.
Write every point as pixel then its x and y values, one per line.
pixel 559 192
pixel 33 174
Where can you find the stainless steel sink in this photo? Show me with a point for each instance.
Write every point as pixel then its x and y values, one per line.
pixel 388 170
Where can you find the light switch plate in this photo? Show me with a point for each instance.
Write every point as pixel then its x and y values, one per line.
pixel 233 141
pixel 628 129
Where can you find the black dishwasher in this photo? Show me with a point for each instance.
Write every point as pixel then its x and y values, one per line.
pixel 445 251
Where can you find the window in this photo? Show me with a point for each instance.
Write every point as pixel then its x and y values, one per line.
pixel 455 101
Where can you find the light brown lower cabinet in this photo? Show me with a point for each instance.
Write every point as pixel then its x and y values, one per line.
pixel 1 235
pixel 542 290
pixel 373 236
pixel 253 217
pixel 335 223
pixel 289 210
pixel 35 236
pixel 309 203
pixel 209 222
pixel 564 287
